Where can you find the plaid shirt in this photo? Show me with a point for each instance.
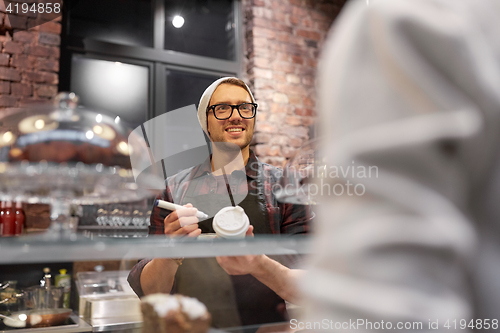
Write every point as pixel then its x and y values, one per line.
pixel 283 218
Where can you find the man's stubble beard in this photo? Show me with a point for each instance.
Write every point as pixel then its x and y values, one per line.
pixel 228 146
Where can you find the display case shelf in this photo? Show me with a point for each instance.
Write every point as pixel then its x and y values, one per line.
pixel 45 249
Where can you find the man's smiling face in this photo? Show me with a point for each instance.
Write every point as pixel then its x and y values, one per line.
pixel 235 130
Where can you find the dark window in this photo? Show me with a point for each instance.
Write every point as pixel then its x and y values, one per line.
pixel 208 29
pixel 117 21
pixel 184 88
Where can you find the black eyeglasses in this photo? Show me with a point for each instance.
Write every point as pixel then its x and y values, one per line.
pixel 225 111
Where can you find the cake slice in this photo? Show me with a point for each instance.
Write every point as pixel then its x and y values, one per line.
pixel 164 313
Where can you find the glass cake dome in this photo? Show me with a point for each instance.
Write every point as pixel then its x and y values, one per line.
pixel 62 154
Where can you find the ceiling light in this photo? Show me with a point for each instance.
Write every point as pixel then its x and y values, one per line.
pixel 178 21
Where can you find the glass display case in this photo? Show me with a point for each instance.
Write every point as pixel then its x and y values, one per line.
pixel 67 158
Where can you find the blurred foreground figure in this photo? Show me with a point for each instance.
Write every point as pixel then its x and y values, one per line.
pixel 411 89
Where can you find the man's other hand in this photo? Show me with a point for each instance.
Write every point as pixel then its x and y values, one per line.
pixel 240 265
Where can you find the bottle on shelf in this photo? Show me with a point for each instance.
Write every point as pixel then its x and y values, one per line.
pixel 2 206
pixel 8 220
pixel 64 280
pixel 19 214
pixel 47 277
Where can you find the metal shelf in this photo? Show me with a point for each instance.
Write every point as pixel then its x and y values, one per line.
pixel 47 248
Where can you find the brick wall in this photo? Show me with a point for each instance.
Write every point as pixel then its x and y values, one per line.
pixel 283 39
pixel 29 59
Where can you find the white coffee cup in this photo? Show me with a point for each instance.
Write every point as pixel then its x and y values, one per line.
pixel 231 222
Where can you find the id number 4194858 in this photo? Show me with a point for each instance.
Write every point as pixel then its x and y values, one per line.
pixel 477 324
pixel 36 8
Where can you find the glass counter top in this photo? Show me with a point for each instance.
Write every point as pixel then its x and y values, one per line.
pixel 48 248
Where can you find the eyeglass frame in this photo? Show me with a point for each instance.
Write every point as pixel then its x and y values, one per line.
pixel 233 106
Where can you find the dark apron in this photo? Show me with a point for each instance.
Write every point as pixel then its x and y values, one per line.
pixel 233 300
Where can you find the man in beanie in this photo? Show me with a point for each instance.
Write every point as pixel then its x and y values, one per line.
pixel 242 290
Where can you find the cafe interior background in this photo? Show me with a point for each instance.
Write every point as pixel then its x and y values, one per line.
pixel 139 59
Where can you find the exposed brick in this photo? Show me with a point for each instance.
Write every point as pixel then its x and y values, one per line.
pixel 4 59
pixel 295 19
pixel 262 150
pixel 288 152
pixel 4 87
pixel 46 91
pixel 308 80
pixel 263 107
pixel 280 140
pixel 308 101
pixel 311 43
pixel 279 108
pixel 279 77
pixel 261 22
pixel 12 47
pixel 294 121
pixel 293 49
pixel 295 99
pixel 8 101
pixel 304 111
pixel 296 89
pixel 36 77
pixel 262 73
pixel 295 131
pixel 308 121
pixel 51 27
pixel 296 142
pixel 24 36
pixel 285 37
pixel 261 138
pixel 260 42
pixel 276 118
pixel 9 74
pixel 21 89
pixel 291 78
pixel 297 59
pixel 263 32
pixel 49 39
pixel 312 63
pixel 307 23
pixel 274 151
pixel 262 12
pixel 280 98
pixel 50 65
pixel 283 67
pixel 261 116
pixel 277 161
pixel 265 127
pixel 23 61
pixel 42 51
pixel 261 62
pixel 15 22
pixel 263 84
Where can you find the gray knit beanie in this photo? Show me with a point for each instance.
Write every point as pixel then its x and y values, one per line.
pixel 205 99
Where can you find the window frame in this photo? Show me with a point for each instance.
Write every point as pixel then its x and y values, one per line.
pixel 157 58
